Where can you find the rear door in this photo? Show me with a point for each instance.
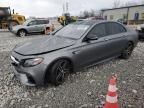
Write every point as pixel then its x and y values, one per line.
pixel 41 25
pixel 32 26
pixel 116 37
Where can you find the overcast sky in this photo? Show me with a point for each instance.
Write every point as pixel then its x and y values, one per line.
pixel 48 8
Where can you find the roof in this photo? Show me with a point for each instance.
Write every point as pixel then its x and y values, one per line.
pixel 38 19
pixel 123 7
pixel 89 22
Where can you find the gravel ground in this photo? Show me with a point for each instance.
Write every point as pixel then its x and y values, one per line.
pixel 85 89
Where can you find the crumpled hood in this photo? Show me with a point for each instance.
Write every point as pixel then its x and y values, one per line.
pixel 43 45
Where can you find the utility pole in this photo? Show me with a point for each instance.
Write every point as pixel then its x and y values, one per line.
pixel 63 8
pixel 127 15
pixel 67 7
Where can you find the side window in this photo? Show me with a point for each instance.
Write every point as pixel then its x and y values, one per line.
pixel 99 30
pixel 40 22
pixel 114 28
pixel 46 21
pixel 32 23
pixel 43 21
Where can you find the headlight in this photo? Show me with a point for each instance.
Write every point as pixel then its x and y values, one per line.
pixel 138 27
pixel 32 62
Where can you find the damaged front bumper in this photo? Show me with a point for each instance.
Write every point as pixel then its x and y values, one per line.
pixel 24 78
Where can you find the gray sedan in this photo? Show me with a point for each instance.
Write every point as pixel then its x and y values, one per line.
pixel 78 45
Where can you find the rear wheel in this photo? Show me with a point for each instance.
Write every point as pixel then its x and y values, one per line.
pixel 22 33
pixel 127 51
pixel 59 71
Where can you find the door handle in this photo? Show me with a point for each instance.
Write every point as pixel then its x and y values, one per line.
pixel 106 39
pixel 76 52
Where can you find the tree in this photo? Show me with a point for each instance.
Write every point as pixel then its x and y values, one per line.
pixel 92 13
pixel 116 3
pixel 86 14
pixel 130 3
pixel 89 13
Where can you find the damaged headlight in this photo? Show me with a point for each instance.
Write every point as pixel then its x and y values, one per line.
pixel 32 62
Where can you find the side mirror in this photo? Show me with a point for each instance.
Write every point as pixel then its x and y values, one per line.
pixel 91 37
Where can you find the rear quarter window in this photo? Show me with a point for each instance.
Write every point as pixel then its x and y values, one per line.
pixel 115 28
pixel 99 30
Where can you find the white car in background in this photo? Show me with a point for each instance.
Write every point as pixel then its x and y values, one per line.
pixel 140 29
pixel 32 26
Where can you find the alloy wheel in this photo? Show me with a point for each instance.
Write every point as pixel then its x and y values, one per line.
pixel 22 33
pixel 62 71
pixel 129 49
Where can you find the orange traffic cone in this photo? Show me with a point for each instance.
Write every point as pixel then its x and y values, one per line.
pixel 111 98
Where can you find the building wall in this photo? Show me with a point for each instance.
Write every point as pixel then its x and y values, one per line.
pixel 134 10
pixel 116 14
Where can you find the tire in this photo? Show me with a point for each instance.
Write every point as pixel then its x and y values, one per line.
pixel 126 53
pixel 59 71
pixel 22 33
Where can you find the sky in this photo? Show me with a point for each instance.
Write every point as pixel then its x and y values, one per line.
pixel 50 8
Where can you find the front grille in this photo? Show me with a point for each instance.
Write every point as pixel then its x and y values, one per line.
pixel 14 64
pixel 30 79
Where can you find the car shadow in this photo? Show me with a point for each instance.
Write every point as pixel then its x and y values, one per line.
pixel 141 40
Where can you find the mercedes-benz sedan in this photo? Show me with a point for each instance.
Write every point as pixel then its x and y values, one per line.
pixel 77 45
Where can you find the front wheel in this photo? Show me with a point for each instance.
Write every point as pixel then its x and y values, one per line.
pixel 126 53
pixel 59 71
pixel 22 33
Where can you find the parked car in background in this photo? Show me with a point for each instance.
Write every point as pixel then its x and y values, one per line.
pixel 77 45
pixel 123 21
pixel 140 29
pixel 32 26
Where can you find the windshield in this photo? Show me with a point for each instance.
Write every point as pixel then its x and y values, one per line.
pixel 26 22
pixel 74 31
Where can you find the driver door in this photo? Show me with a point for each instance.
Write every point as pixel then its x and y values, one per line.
pixel 94 49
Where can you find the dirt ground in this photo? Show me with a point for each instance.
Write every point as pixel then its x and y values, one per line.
pixel 85 89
